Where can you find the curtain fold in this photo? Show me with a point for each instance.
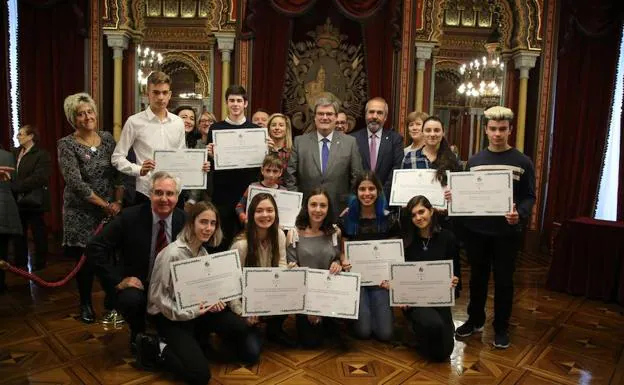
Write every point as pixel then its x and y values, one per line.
pixel 589 36
pixel 51 57
pixel 5 118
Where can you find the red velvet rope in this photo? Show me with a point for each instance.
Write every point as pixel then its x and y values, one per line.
pixel 4 265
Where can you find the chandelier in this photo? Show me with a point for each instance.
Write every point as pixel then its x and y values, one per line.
pixel 148 62
pixel 483 77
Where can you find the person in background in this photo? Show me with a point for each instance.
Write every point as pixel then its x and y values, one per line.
pixel 342 124
pixel 415 121
pixel 191 134
pixel 30 187
pixel 280 139
pixel 182 330
pixel 205 122
pixel 260 117
pixel 93 192
pixel 10 225
pixel 425 240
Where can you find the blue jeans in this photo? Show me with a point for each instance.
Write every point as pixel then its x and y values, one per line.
pixel 375 314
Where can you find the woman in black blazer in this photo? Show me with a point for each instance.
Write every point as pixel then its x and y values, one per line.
pixel 33 198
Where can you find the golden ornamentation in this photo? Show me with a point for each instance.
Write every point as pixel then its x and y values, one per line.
pixel 197 62
pixel 324 67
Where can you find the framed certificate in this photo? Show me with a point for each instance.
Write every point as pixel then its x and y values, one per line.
pixel 422 284
pixel 482 193
pixel 288 204
pixel 239 148
pixel 186 164
pixel 372 259
pixel 211 278
pixel 408 183
pixel 273 291
pixel 333 295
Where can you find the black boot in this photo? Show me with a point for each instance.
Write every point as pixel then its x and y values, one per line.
pixel 87 315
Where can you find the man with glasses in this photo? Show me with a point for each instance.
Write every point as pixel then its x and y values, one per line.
pixel 324 157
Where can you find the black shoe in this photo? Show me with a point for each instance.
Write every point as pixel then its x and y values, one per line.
pixel 281 338
pixel 467 329
pixel 501 340
pixel 148 352
pixel 87 315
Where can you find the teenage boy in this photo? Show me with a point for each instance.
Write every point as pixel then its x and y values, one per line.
pixel 229 185
pixel 492 242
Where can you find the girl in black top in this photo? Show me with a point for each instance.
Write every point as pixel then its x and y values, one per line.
pixel 425 240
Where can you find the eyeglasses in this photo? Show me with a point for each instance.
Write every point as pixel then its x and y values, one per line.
pixel 341 122
pixel 206 121
pixel 326 114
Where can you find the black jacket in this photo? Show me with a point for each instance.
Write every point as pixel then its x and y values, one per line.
pixel 33 173
pixel 129 234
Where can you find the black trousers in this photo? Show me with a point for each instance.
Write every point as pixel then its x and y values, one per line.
pixel 230 225
pixel 132 304
pixel 4 250
pixel 85 278
pixel 312 336
pixel 184 355
pixel 487 253
pixel 34 220
pixel 434 330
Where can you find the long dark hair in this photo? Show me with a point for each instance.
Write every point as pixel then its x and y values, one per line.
pixel 251 233
pixel 353 216
pixel 409 230
pixel 445 159
pixel 303 218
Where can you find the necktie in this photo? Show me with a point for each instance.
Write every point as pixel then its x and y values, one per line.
pixel 373 152
pixel 161 243
pixel 324 155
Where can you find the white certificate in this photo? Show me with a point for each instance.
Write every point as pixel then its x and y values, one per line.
pixel 209 279
pixel 239 148
pixel 333 295
pixel 372 259
pixel 288 204
pixel 273 291
pixel 422 284
pixel 408 183
pixel 483 193
pixel 186 164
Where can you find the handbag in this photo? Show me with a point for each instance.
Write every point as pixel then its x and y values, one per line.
pixel 31 199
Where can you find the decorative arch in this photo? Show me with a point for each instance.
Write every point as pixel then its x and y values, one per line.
pixel 193 63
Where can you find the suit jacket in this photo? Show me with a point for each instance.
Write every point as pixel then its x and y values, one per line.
pixel 389 157
pixel 9 215
pixel 343 166
pixel 33 172
pixel 130 234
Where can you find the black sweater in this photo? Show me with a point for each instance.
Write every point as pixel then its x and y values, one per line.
pixel 523 189
pixel 441 246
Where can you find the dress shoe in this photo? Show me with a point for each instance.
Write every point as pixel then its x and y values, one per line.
pixel 148 352
pixel 112 318
pixel 87 315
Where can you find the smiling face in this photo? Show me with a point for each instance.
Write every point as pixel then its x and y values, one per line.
pixel 264 216
pixel 433 133
pixel 342 124
pixel 375 115
pixel 188 116
pixel 415 130
pixel 205 225
pixel 236 105
pixel 277 130
pixel 421 217
pixel 318 206
pixel 260 118
pixel 367 193
pixel 325 119
pixel 204 124
pixel 164 197
pixel 85 118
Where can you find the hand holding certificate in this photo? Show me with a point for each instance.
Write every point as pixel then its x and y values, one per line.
pixel 408 183
pixel 186 164
pixel 288 203
pixel 422 284
pixel 209 279
pixel 239 148
pixel 483 193
pixel 372 259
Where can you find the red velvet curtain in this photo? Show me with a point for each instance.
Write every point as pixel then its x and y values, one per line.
pixel 5 119
pixel 589 38
pixel 51 58
pixel 355 9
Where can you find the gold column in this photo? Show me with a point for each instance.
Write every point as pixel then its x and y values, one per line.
pixel 118 42
pixel 524 61
pixel 225 42
pixel 423 53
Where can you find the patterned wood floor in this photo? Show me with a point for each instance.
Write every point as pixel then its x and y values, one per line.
pixel 556 339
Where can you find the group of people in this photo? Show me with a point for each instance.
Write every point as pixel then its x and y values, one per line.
pixel 345 180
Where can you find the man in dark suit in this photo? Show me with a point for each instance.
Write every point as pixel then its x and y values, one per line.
pixel 137 234
pixel 324 157
pixel 381 148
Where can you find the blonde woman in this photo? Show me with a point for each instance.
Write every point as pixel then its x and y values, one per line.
pixel 415 121
pixel 280 141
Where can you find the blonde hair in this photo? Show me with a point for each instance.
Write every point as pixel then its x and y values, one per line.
pixel 498 113
pixel 288 136
pixel 188 231
pixel 210 116
pixel 72 102
pixel 415 115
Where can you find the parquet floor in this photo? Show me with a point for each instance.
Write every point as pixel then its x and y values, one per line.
pixel 556 339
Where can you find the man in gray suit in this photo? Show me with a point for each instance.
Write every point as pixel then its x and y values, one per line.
pixel 324 157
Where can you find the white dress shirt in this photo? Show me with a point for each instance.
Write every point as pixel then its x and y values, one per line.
pixel 145 132
pixel 320 144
